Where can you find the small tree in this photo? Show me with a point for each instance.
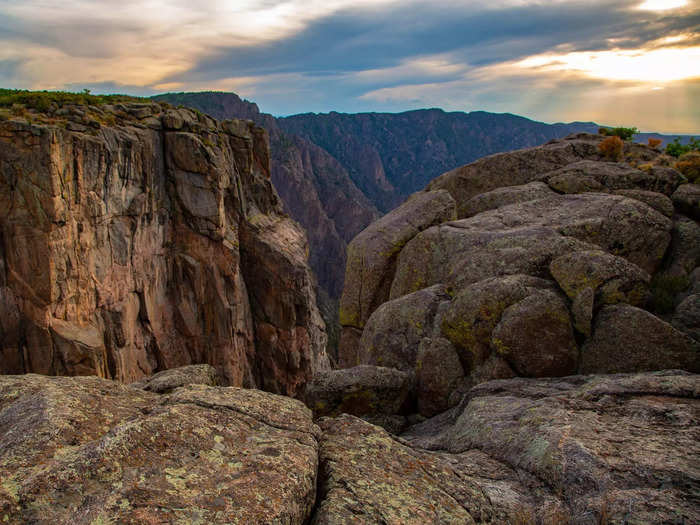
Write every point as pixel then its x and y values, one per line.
pixel 676 149
pixel 623 133
pixel 611 148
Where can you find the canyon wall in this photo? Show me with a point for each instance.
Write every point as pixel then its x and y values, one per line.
pixel 139 237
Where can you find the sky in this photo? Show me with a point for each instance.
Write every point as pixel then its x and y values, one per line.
pixel 617 62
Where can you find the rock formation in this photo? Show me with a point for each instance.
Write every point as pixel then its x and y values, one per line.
pixel 535 263
pixel 582 450
pixel 138 237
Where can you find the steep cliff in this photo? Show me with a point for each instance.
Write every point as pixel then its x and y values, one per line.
pixel 138 237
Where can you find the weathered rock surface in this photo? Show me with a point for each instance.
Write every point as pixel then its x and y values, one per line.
pixel 168 380
pixel 142 246
pixel 372 254
pixel 362 391
pixel 628 339
pixel 687 199
pixel 87 450
pixel 623 445
pixel 547 237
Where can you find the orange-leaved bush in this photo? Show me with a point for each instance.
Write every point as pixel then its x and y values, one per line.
pixel 611 148
pixel 655 143
pixel 689 165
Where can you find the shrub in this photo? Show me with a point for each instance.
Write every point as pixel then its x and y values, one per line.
pixel 611 148
pixel 654 143
pixel 43 100
pixel 676 149
pixel 689 165
pixel 623 133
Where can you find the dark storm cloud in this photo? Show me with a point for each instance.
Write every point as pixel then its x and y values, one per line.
pixel 354 40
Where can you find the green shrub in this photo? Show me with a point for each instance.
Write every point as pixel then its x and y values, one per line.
pixel 623 133
pixel 676 149
pixel 43 100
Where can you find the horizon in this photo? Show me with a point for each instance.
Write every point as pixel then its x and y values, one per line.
pixel 634 63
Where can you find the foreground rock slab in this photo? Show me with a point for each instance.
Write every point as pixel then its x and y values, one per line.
pixel 87 450
pixel 621 445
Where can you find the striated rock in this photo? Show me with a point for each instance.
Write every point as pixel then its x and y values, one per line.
pixel 621 445
pixel 168 380
pixel 372 254
pixel 628 339
pixel 363 391
pixel 88 450
pixel 128 250
pixel 687 199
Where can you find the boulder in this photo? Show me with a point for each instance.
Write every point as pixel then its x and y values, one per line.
pixel 168 380
pixel 686 318
pixel 612 278
pixel 89 450
pixel 394 331
pixel 536 338
pixel 618 447
pixel 503 196
pixel 439 373
pixel 362 391
pixel 653 199
pixel 687 199
pixel 367 476
pixel 591 175
pixel 372 254
pixel 514 168
pixel 526 237
pixel 629 339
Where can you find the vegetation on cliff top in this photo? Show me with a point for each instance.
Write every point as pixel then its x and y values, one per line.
pixel 42 100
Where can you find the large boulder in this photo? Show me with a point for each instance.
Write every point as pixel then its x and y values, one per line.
pixel 525 237
pixel 87 450
pixel 508 195
pixel 592 175
pixel 368 476
pixel 168 380
pixel 629 339
pixel 620 448
pixel 687 199
pixel 394 331
pixel 363 391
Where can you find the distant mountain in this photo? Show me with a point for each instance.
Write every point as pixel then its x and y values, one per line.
pixel 391 155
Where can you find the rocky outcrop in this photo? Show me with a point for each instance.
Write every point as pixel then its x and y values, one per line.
pixel 548 242
pixel 88 450
pixel 150 240
pixel 580 449
pixel 613 448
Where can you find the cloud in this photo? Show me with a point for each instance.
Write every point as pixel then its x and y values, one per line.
pixel 357 55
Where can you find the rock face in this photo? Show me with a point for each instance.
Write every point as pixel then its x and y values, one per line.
pixel 88 450
pixel 548 242
pixel 580 449
pixel 621 445
pixel 150 241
